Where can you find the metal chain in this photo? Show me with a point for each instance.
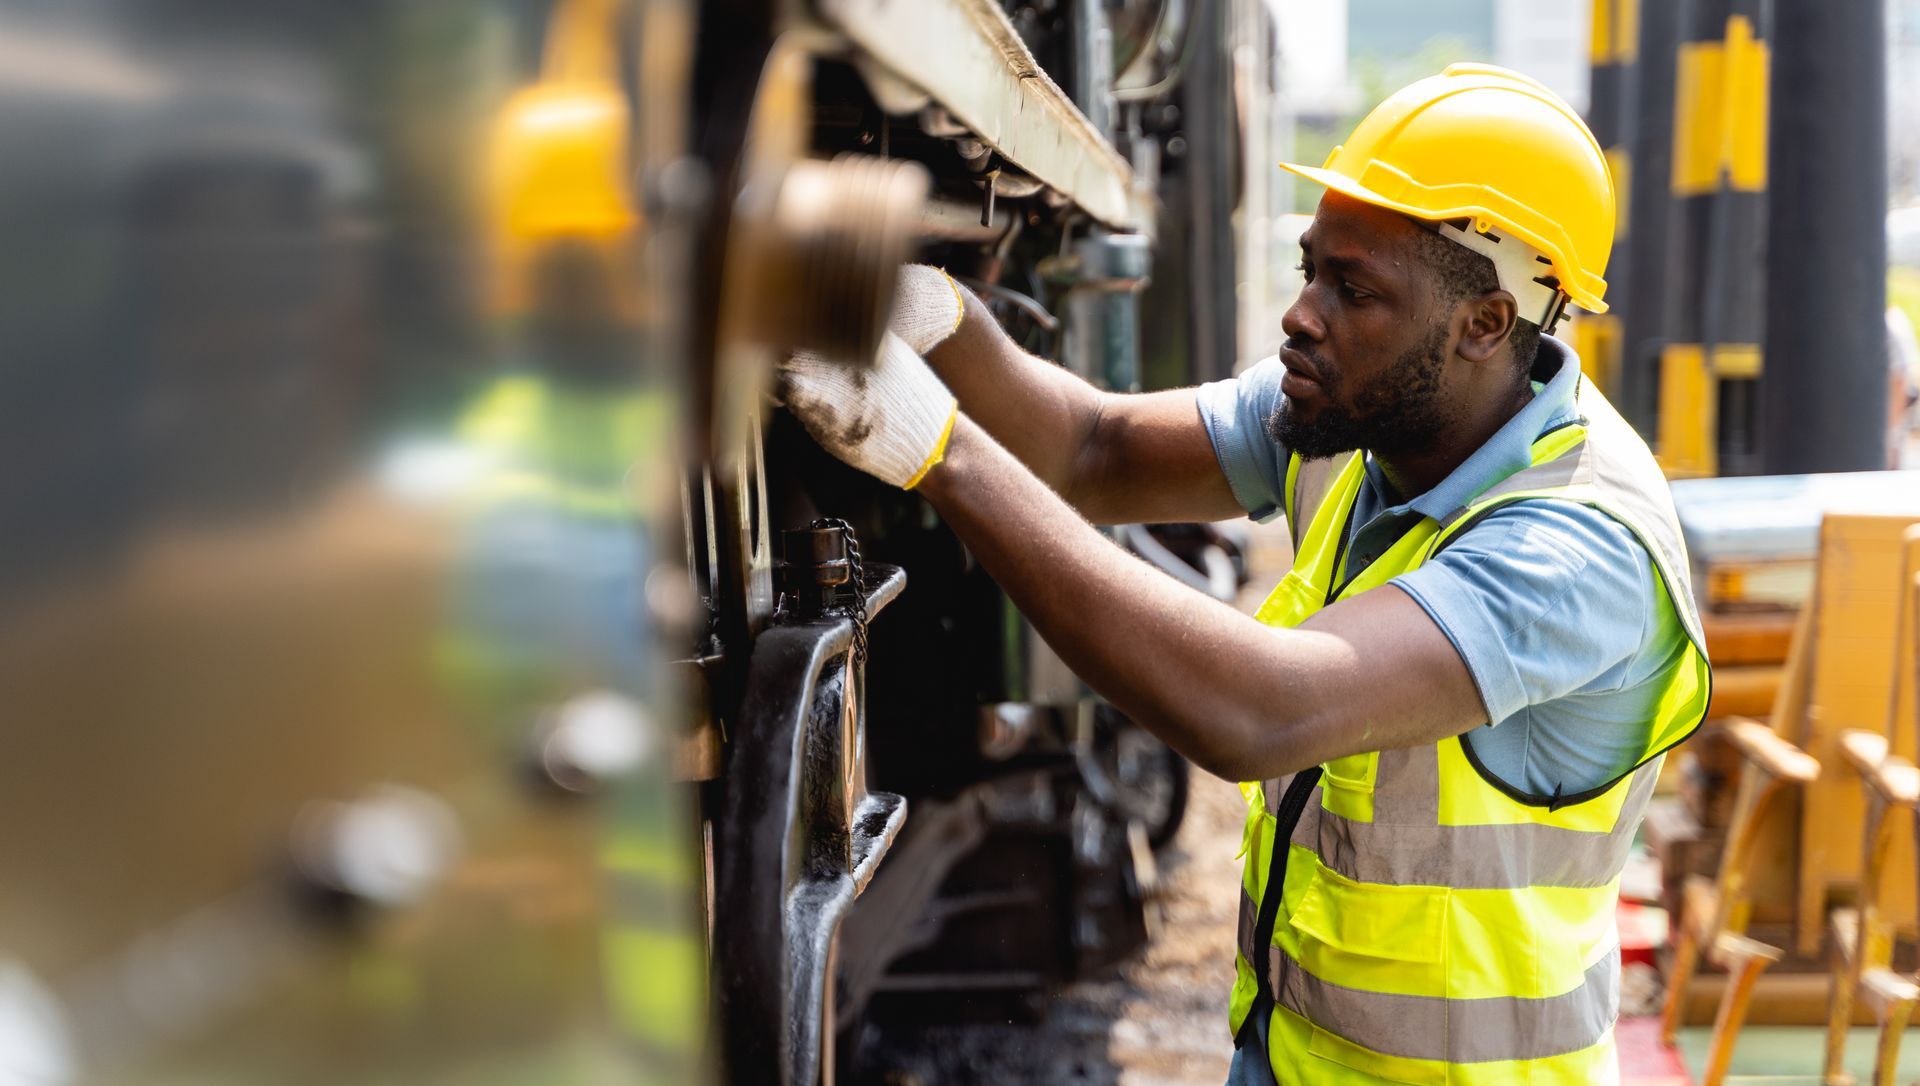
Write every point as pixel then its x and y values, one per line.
pixel 858 579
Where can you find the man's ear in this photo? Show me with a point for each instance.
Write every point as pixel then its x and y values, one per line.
pixel 1486 322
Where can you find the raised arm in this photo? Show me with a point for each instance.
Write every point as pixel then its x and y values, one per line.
pixel 1241 700
pixel 1116 457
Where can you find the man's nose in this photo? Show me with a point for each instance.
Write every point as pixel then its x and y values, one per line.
pixel 1300 320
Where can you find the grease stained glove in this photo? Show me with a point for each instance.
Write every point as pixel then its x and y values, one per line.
pixel 891 420
pixel 926 307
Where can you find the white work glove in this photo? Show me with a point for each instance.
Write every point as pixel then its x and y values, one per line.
pixel 891 420
pixel 926 307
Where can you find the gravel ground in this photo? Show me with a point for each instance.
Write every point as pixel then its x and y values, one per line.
pixel 1162 1019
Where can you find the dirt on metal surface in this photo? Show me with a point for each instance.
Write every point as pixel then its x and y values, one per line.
pixel 1160 1019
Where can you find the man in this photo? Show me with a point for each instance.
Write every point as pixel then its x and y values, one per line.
pixel 1458 697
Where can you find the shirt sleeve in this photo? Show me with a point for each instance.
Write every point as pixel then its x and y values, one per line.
pixel 1542 599
pixel 1235 412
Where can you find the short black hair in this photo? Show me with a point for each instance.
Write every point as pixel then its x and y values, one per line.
pixel 1459 273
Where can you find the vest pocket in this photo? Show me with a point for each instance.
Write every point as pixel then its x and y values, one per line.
pixel 1346 785
pixel 1366 938
pixel 1371 937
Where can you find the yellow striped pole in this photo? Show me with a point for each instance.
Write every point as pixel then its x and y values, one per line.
pixel 1710 364
pixel 1614 44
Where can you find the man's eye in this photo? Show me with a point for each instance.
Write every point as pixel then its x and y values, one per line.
pixel 1354 295
pixel 1304 269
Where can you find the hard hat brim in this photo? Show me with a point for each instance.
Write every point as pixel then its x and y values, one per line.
pixel 1347 186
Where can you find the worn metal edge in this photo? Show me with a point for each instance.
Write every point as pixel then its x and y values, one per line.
pixel 982 73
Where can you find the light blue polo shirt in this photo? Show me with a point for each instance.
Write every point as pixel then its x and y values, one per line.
pixel 1550 603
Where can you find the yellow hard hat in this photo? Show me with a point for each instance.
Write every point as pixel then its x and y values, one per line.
pixel 558 163
pixel 1490 145
pixel 558 174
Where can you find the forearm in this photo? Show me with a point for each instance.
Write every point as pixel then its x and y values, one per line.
pixel 1241 700
pixel 1044 414
pixel 1115 457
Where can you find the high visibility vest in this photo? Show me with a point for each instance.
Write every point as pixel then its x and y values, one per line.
pixel 592 453
pixel 1434 924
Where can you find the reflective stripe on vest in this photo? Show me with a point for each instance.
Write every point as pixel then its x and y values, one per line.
pixel 1433 917
pixel 1480 857
pixel 1449 1030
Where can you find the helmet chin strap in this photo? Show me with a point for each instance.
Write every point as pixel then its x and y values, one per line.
pixel 1522 271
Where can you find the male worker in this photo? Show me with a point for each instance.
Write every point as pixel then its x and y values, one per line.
pixel 1457 699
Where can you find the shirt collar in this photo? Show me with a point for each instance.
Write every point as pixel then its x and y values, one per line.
pixel 1511 447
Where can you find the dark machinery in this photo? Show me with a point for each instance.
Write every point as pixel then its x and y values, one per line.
pixel 1030 807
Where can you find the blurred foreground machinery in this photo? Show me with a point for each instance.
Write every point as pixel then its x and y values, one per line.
pixel 427 655
pixel 342 389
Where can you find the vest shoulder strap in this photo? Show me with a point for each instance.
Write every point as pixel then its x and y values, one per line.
pixel 1308 482
pixel 1601 462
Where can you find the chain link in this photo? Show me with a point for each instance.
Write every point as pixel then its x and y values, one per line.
pixel 857 578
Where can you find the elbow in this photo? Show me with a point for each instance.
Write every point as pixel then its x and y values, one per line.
pixel 1234 707
pixel 1258 742
pixel 1240 746
pixel 1227 766
pixel 1084 467
pixel 1226 750
pixel 1241 766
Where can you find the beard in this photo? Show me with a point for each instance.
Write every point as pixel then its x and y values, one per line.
pixel 1396 412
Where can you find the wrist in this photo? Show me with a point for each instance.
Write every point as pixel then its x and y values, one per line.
pixel 938 454
pixel 962 447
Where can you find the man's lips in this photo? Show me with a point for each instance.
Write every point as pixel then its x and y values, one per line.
pixel 1300 376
